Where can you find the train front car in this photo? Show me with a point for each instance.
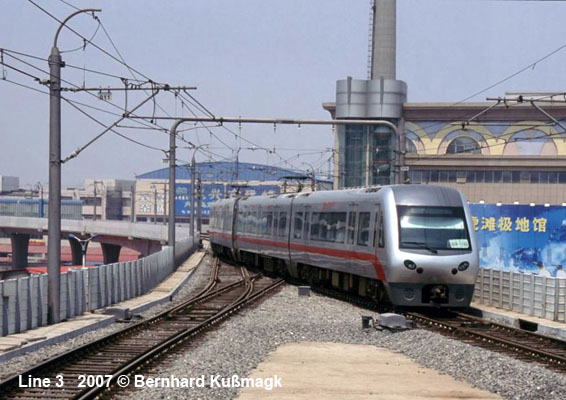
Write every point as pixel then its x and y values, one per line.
pixel 430 254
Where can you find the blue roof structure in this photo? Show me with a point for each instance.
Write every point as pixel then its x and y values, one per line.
pixel 225 172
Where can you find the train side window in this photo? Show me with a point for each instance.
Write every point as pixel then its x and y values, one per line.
pixel 363 229
pixel 338 227
pixel 240 221
pixel 315 226
pixel 307 224
pixel 329 227
pixel 248 221
pixel 298 232
pixel 282 223
pixel 227 220
pixel 245 218
pixel 268 224
pixel 256 222
pixel 275 223
pixel 351 227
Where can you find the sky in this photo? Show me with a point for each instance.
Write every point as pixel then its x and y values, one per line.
pixel 250 58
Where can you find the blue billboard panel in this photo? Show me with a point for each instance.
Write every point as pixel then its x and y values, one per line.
pixel 521 238
pixel 213 192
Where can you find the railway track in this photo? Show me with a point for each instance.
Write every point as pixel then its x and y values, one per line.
pixel 518 343
pixel 90 370
pixel 521 344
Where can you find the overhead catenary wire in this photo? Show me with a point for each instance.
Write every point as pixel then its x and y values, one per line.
pixel 82 37
pixel 92 71
pixel 122 61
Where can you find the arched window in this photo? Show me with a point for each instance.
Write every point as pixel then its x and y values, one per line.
pixel 530 143
pixel 463 145
pixel 410 146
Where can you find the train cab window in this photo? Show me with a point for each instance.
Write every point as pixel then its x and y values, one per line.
pixel 282 223
pixel 363 229
pixel 298 232
pixel 433 228
pixel 351 227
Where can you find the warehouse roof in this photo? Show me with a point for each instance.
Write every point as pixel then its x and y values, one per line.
pixel 225 171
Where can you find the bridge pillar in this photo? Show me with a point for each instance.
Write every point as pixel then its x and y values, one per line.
pixel 110 252
pixel 20 243
pixel 76 251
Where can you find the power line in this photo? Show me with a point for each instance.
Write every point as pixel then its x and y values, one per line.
pixel 73 105
pixel 531 65
pixel 112 130
pixel 69 65
pixel 78 87
pixel 82 37
pixel 24 86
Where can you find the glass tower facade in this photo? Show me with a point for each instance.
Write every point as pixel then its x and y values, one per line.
pixel 367 155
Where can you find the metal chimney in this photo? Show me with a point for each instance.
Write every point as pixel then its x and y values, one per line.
pixel 384 39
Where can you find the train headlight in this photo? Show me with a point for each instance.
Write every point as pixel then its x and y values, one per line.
pixel 410 265
pixel 463 266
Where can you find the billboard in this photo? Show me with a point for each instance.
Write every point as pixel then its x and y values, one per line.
pixel 521 238
pixel 216 191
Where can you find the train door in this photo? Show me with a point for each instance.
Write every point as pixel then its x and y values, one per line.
pixel 378 233
pixel 351 223
pixel 352 210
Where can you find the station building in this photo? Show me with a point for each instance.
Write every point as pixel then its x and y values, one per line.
pixel 508 154
pixel 511 151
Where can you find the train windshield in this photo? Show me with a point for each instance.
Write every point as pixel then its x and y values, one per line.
pixel 432 228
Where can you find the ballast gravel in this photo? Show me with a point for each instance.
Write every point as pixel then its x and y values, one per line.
pixel 242 342
pixel 19 364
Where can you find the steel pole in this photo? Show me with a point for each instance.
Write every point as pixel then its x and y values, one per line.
pixel 192 206
pixel 54 204
pixel 199 203
pixel 54 214
pixel 94 214
pixel 165 219
pixel 154 205
pixel 172 178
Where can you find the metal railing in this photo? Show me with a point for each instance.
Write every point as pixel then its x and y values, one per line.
pixel 533 295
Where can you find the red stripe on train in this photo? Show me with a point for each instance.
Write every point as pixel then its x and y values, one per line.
pixel 346 254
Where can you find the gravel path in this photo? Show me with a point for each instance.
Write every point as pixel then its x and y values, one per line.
pixel 22 363
pixel 246 339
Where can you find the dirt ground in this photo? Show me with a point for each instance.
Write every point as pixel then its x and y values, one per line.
pixel 346 371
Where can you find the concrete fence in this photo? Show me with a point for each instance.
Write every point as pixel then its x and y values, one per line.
pixel 23 301
pixel 523 293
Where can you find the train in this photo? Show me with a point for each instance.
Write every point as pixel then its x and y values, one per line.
pixel 402 245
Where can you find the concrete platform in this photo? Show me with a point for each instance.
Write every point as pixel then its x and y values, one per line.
pixel 517 320
pixel 348 371
pixel 21 343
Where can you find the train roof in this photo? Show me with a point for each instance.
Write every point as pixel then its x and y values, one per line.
pixel 417 194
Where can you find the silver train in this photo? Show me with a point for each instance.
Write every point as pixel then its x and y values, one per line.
pixel 410 245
